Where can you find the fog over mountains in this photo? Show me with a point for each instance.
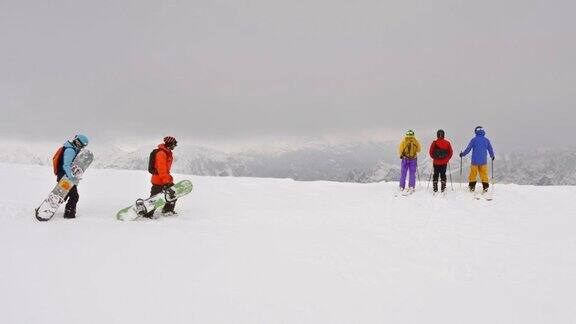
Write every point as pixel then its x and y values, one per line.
pixel 352 162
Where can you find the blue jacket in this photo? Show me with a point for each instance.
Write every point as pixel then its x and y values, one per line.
pixel 480 146
pixel 70 152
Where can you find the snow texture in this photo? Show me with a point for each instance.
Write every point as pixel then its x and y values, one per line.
pixel 249 250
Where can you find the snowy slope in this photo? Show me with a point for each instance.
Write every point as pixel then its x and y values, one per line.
pixel 248 250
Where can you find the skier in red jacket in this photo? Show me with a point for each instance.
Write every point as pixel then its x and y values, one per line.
pixel 441 153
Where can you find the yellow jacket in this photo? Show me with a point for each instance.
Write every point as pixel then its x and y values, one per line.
pixel 409 147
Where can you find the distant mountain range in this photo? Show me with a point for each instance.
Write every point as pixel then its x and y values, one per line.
pixel 352 162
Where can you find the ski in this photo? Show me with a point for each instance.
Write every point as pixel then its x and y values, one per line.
pixel 485 196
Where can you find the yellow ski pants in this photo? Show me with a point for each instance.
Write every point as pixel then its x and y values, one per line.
pixel 483 169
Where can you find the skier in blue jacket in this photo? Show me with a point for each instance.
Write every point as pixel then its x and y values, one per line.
pixel 480 147
pixel 71 149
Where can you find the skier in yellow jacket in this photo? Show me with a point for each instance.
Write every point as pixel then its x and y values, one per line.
pixel 408 150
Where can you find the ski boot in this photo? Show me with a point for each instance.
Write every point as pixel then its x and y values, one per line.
pixel 485 187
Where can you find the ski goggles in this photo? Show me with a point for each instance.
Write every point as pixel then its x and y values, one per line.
pixel 78 143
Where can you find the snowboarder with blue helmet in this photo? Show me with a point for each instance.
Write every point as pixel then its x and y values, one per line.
pixel 63 167
pixel 480 147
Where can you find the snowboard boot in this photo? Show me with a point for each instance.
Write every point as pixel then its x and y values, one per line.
pixel 69 213
pixel 472 186
pixel 169 207
pixel 150 214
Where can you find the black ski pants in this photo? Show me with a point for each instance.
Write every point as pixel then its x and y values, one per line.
pixel 169 206
pixel 439 171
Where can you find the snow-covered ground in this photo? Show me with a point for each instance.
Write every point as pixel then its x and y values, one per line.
pixel 247 250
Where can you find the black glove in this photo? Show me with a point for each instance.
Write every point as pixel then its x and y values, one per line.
pixel 492 158
pixel 401 158
pixel 461 154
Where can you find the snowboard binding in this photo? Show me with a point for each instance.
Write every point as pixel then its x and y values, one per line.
pixel 140 207
pixel 77 172
pixel 55 201
pixel 170 194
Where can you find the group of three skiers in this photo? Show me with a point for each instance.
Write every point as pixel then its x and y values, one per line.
pixel 441 152
pixel 161 163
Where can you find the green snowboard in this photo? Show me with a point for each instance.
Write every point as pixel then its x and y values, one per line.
pixel 142 206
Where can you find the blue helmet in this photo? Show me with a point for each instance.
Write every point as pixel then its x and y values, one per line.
pixel 81 140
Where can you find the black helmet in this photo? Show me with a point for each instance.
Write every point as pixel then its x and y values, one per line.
pixel 440 133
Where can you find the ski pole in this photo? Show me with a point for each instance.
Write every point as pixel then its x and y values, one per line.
pixel 418 173
pixel 461 169
pixel 492 175
pixel 492 169
pixel 450 170
pixel 428 184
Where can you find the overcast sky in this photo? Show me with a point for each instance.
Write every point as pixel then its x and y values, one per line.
pixel 242 70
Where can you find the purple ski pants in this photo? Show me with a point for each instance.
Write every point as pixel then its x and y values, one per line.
pixel 408 166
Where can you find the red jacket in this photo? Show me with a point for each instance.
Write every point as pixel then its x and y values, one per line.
pixel 441 144
pixel 163 163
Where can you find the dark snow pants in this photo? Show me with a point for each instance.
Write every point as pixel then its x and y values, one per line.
pixel 439 171
pixel 168 207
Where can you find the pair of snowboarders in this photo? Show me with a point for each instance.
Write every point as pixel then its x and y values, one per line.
pixel 160 165
pixel 441 152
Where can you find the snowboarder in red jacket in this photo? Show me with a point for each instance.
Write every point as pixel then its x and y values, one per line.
pixel 441 153
pixel 161 178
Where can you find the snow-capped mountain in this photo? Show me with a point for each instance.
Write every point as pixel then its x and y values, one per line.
pixel 352 162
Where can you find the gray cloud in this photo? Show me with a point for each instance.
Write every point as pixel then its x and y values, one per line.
pixel 244 69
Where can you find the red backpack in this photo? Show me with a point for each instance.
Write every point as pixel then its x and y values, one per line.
pixel 56 159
